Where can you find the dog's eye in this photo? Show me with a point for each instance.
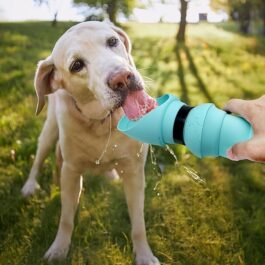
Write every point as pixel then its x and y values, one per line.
pixel 77 66
pixel 112 42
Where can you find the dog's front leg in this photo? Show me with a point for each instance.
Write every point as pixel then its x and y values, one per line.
pixel 71 185
pixel 47 138
pixel 134 183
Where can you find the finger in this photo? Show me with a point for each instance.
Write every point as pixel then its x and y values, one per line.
pixel 238 106
pixel 253 150
pixel 239 151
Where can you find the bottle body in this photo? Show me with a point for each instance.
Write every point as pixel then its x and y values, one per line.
pixel 210 131
pixel 204 129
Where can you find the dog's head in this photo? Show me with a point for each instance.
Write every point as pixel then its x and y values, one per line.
pixel 91 60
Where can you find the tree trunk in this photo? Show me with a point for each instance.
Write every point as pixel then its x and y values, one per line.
pixel 263 12
pixel 245 17
pixel 183 23
pixel 112 10
pixel 264 25
pixel 54 22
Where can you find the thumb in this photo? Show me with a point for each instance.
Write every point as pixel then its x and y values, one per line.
pixel 238 151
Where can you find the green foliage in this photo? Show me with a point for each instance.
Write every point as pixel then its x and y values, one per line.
pixel 245 11
pixel 220 222
pixel 111 7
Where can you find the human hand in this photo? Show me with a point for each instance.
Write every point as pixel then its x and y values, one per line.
pixel 254 112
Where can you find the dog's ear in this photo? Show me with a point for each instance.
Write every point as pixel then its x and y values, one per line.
pixel 126 41
pixel 43 81
pixel 124 37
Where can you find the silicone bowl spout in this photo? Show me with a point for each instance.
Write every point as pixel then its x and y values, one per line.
pixel 156 127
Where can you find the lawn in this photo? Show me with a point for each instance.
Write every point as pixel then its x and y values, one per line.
pixel 221 221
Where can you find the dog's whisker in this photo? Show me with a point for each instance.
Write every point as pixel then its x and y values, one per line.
pixel 148 78
pixel 149 83
pixel 147 86
pixel 144 68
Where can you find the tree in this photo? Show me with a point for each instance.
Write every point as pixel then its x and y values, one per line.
pixel 243 11
pixel 243 8
pixel 111 7
pixel 261 9
pixel 183 23
pixel 53 5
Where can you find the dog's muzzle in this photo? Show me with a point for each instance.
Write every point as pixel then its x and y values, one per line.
pixel 124 80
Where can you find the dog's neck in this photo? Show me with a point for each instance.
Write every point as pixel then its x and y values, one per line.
pixel 94 112
pixel 92 109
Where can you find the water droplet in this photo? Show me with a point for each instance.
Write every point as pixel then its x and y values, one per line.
pixel 155 188
pixel 172 153
pixel 121 171
pixel 153 158
pixel 13 154
pixel 114 147
pixel 194 175
pixel 158 194
pixel 156 168
pixel 116 164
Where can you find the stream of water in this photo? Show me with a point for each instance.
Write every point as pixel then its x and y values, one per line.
pixel 156 167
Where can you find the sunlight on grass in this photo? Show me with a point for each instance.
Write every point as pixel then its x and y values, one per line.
pixel 220 222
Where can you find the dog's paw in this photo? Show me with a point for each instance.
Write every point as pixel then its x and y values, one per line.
pixel 147 260
pixel 29 188
pixel 56 252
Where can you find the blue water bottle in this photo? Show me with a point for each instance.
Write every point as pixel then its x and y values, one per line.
pixel 204 129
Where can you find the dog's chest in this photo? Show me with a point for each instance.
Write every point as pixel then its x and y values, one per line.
pixel 94 144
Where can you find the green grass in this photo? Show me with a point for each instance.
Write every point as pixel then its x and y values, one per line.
pixel 221 222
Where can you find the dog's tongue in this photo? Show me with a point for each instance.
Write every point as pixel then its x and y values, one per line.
pixel 137 104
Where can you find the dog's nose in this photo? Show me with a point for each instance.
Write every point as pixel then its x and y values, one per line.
pixel 121 80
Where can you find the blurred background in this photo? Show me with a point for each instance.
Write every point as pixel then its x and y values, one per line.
pixel 245 12
pixel 198 211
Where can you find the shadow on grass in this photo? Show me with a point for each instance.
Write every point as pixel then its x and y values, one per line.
pixel 236 83
pixel 181 48
pixel 101 224
pixel 248 195
pixel 10 208
pixel 16 211
pixel 44 233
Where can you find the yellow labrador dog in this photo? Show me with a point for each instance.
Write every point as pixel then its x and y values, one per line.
pixel 91 81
